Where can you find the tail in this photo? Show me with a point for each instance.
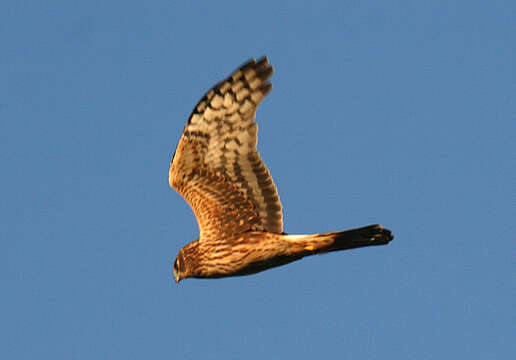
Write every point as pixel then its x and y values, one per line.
pixel 340 240
pixel 355 238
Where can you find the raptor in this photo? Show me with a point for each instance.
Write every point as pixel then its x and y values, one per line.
pixel 216 168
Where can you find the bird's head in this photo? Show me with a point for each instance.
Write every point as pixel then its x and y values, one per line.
pixel 187 262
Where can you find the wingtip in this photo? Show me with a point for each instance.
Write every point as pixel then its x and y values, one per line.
pixel 263 60
pixel 262 64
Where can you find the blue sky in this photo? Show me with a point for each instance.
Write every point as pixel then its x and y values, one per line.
pixel 400 113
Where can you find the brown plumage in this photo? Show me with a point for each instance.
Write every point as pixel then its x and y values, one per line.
pixel 218 171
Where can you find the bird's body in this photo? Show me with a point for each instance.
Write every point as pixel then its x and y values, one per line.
pixel 252 252
pixel 219 172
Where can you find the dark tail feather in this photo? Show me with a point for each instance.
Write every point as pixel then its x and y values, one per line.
pixel 355 238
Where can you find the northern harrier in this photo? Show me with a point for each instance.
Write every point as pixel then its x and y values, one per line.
pixel 218 171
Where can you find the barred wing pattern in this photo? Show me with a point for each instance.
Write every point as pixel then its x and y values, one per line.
pixel 216 166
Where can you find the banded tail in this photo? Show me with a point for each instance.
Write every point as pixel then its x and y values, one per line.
pixel 340 240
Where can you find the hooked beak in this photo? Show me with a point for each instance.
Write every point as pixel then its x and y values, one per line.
pixel 176 276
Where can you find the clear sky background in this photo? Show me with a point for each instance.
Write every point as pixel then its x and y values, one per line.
pixel 394 112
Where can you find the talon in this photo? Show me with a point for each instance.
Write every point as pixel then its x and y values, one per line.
pixel 310 248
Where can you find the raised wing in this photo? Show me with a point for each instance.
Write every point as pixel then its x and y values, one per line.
pixel 216 166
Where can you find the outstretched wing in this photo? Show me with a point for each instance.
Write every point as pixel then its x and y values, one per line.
pixel 216 166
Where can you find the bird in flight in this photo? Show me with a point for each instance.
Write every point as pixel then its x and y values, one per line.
pixel 218 171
